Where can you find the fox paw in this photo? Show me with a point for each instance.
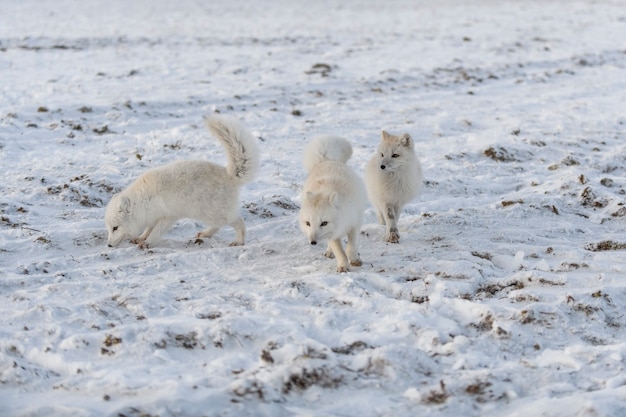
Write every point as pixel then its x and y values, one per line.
pixel 343 269
pixel 356 262
pixel 329 254
pixel 141 243
pixel 392 237
pixel 235 244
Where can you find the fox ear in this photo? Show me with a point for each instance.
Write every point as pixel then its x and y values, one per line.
pixel 124 205
pixel 332 197
pixel 406 140
pixel 385 135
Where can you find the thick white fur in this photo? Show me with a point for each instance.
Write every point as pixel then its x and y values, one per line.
pixel 333 199
pixel 393 177
pixel 326 148
pixel 199 190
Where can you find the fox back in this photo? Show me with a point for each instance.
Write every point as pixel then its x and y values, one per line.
pixel 326 148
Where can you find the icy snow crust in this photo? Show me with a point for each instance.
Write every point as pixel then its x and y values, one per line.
pixel 505 297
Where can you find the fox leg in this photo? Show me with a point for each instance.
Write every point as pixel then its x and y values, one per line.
pixel 329 252
pixel 351 248
pixel 340 255
pixel 391 221
pixel 380 217
pixel 208 232
pixel 240 230
pixel 142 238
pixel 154 233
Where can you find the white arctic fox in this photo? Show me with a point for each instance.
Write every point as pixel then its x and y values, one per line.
pixel 393 177
pixel 333 199
pixel 199 190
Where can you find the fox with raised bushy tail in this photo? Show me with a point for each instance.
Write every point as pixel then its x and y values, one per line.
pixel 200 190
pixel 333 200
pixel 393 177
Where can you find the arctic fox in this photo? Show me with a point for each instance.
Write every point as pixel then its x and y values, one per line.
pixel 200 190
pixel 393 177
pixel 333 199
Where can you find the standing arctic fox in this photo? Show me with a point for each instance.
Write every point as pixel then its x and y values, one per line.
pixel 333 199
pixel 393 177
pixel 199 190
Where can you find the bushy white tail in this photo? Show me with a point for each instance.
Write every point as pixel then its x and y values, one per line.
pixel 242 151
pixel 326 148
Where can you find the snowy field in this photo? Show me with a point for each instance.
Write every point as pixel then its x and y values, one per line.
pixel 506 295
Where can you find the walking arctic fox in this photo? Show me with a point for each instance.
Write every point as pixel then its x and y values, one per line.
pixel 199 190
pixel 393 177
pixel 333 199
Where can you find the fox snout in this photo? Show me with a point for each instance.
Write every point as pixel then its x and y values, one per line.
pixel 313 238
pixel 113 241
pixel 384 163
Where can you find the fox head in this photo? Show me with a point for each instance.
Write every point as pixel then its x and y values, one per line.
pixel 119 221
pixel 395 151
pixel 317 215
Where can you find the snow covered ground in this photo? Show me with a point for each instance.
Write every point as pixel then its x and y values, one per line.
pixel 505 297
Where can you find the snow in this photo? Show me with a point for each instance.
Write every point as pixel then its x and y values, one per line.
pixel 505 296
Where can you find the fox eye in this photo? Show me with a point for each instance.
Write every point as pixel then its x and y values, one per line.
pixel 324 223
pixel 308 224
pixel 115 228
pixel 382 155
pixel 395 155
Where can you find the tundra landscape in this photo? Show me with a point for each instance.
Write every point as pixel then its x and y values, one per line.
pixel 506 295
